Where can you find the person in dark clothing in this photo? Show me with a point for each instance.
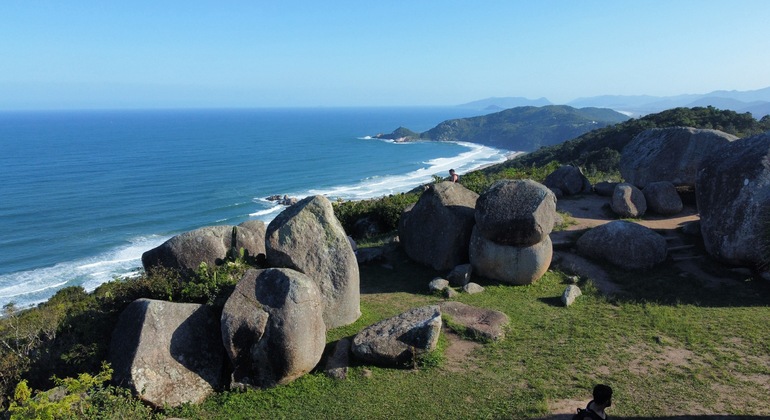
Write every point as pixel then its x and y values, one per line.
pixel 595 408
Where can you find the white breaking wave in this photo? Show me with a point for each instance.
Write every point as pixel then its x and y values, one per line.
pixel 28 288
pixel 476 157
pixel 264 214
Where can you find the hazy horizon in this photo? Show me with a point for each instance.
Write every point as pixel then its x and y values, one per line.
pixel 148 55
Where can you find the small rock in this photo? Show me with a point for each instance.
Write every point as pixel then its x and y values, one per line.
pixel 570 294
pixel 473 288
pixel 460 275
pixel 450 293
pixel 337 365
pixel 438 284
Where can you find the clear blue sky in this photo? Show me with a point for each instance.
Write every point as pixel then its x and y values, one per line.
pixel 163 53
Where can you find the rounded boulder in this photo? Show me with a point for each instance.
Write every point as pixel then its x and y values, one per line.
pixel 510 264
pixel 436 230
pixel 625 244
pixel 516 212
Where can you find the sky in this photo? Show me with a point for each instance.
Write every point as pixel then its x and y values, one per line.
pixel 80 54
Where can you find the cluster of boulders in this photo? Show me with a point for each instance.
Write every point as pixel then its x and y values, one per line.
pixel 503 234
pixel 731 179
pixel 273 326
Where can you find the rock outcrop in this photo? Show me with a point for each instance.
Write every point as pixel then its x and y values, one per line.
pixel 272 327
pixel 210 244
pixel 397 341
pixel 307 237
pixel 733 196
pixel 568 179
pixel 436 230
pixel 625 244
pixel 628 201
pixel 516 212
pixel 167 353
pixel 669 154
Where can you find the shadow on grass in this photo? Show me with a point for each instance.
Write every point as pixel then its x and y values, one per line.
pixel 552 301
pixel 682 417
pixel 396 275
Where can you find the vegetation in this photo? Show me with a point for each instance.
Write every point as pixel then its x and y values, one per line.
pixel 599 150
pixel 69 334
pixel 383 212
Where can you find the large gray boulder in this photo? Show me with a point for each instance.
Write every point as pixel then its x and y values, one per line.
pixel 167 353
pixel 510 264
pixel 209 244
pixel 272 327
pixel 662 198
pixel 669 154
pixel 516 212
pixel 397 341
pixel 628 201
pixel 625 244
pixel 569 179
pixel 307 237
pixel 436 230
pixel 733 196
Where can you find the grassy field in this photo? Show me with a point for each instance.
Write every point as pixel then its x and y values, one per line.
pixel 673 348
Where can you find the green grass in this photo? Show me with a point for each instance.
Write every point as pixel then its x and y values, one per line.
pixel 668 349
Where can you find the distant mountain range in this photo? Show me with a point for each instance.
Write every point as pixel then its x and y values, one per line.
pixel 757 102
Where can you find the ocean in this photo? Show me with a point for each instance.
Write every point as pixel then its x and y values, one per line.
pixel 84 193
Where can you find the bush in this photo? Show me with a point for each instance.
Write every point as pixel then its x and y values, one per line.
pixel 385 211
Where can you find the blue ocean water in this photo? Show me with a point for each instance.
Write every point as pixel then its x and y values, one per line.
pixel 84 193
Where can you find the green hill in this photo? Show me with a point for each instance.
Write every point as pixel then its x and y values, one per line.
pixel 600 149
pixel 525 128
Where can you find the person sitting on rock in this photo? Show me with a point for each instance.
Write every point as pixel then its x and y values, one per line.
pixel 453 176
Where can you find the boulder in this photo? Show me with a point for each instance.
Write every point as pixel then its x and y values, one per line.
pixel 438 284
pixel 272 327
pixel 662 198
pixel 460 275
pixel 625 244
pixel 516 212
pixel 397 341
pixel 473 288
pixel 167 353
pixel 628 201
pixel 436 230
pixel 570 294
pixel 733 196
pixel 569 179
pixel 210 244
pixel 605 188
pixel 669 154
pixel 485 324
pixel 510 264
pixel 307 237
